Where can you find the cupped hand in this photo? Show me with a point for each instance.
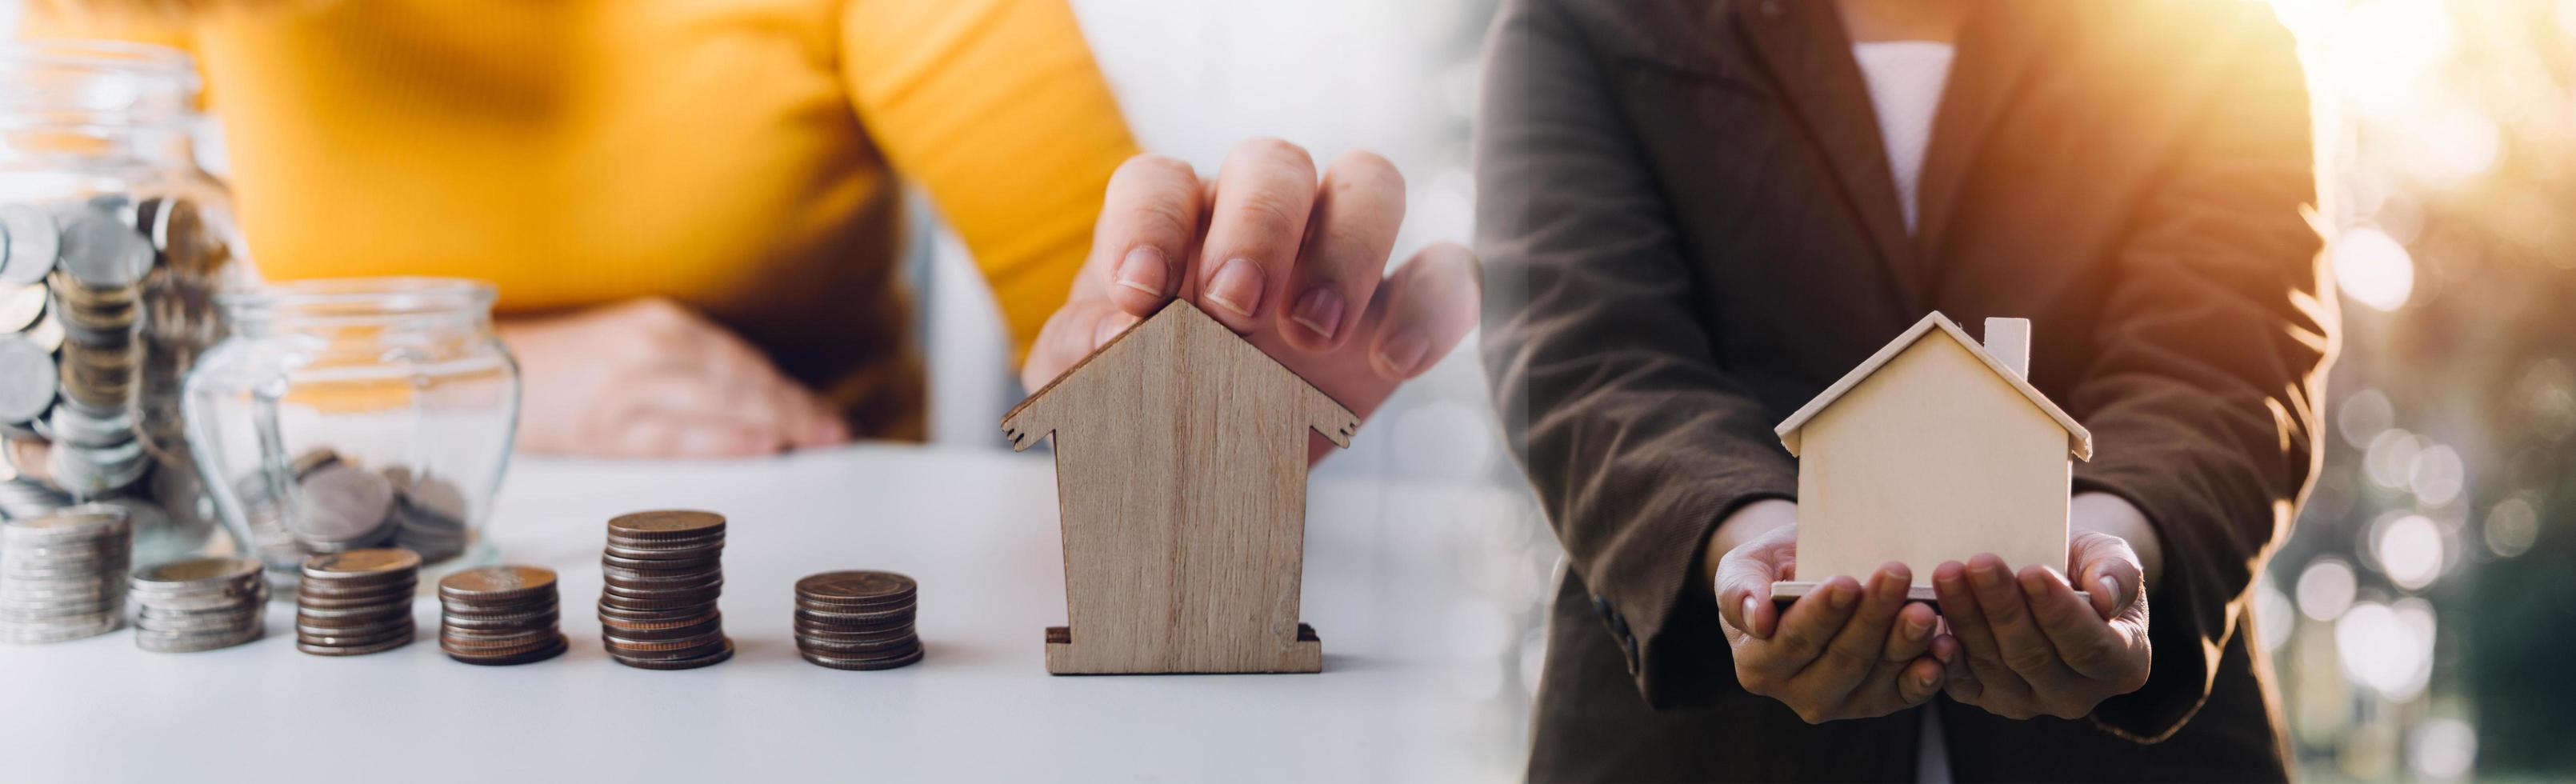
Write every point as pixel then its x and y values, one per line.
pixel 1296 266
pixel 651 378
pixel 2024 645
pixel 1843 651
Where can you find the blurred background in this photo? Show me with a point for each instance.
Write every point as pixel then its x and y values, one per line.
pixel 2422 615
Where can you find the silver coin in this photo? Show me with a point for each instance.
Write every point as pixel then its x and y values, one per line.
pixel 21 306
pixel 85 520
pixel 95 471
pixel 39 635
pixel 343 503
pixel 33 243
pixel 70 425
pixel 103 252
pixel 194 572
pixel 26 380
pixel 47 333
pixel 195 644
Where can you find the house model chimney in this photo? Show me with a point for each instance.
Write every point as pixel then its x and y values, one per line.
pixel 2009 340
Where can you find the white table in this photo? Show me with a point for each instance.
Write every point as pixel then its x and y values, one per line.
pixel 1402 697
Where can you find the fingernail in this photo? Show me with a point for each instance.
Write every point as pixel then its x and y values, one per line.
pixel 1844 596
pixel 1144 270
pixel 1944 654
pixel 2111 588
pixel 1923 681
pixel 1321 311
pixel 1915 628
pixel 2034 589
pixel 1237 287
pixel 1397 356
pixel 1749 607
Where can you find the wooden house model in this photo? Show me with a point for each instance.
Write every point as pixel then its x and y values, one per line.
pixel 1934 449
pixel 1181 453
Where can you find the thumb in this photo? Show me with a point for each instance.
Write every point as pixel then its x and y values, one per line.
pixel 2109 570
pixel 1744 595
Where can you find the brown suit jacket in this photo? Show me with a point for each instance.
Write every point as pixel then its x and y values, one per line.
pixel 1690 229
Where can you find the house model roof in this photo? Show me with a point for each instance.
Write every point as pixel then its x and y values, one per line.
pixel 2079 442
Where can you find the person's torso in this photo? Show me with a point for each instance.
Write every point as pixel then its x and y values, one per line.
pixel 1789 220
pixel 574 153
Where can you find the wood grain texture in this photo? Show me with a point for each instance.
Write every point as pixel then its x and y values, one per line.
pixel 1933 457
pixel 1181 481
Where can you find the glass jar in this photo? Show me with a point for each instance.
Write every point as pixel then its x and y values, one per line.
pixel 113 248
pixel 344 414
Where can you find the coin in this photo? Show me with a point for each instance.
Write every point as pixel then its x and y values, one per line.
pixel 857 586
pixel 667 524
pixel 360 562
pixel 356 602
pixel 63 574
pixel 342 504
pixel 103 252
pixel 864 663
pixel 500 615
pixel 857 620
pixel 26 380
pixel 33 244
pixel 661 575
pixel 21 306
pixel 496 584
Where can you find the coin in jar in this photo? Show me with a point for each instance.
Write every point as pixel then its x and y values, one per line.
pixel 27 380
pixel 33 244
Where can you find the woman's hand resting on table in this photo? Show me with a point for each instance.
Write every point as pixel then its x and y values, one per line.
pixel 651 378
pixel 2018 646
pixel 1296 266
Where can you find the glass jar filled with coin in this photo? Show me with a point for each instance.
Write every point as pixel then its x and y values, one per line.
pixel 113 246
pixel 353 414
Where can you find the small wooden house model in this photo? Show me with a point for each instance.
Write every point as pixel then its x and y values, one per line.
pixel 1180 453
pixel 1934 449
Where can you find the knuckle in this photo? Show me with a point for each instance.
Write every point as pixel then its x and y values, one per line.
pixel 1156 166
pixel 1813 715
pixel 1277 151
pixel 1362 168
pixel 1269 215
pixel 1164 222
pixel 2026 659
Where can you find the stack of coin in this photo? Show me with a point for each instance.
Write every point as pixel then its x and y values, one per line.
pixel 357 602
pixel 97 294
pixel 857 620
pixel 199 604
pixel 62 575
pixel 664 571
pixel 499 615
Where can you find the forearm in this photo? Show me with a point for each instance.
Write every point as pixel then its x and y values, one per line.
pixel 1746 523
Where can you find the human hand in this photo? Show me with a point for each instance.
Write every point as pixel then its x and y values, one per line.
pixel 2025 645
pixel 1841 651
pixel 1297 268
pixel 651 378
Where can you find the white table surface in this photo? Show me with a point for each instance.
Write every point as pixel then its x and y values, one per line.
pixel 977 528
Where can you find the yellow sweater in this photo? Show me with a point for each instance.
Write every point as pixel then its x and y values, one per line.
pixel 736 155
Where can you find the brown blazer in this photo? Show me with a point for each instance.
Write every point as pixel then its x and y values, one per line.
pixel 1690 229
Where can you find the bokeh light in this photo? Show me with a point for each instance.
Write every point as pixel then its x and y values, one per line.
pixel 2326 589
pixel 2410 551
pixel 2511 528
pixel 2383 651
pixel 2373 269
